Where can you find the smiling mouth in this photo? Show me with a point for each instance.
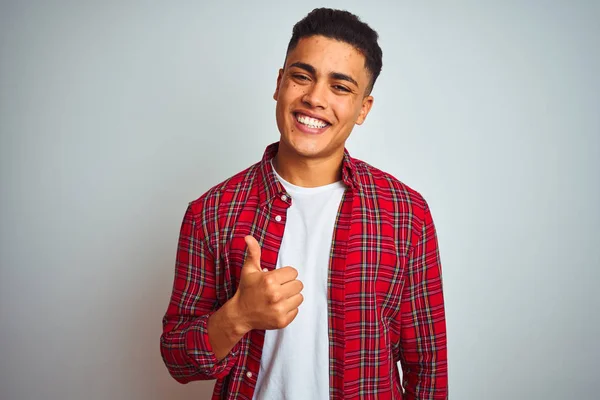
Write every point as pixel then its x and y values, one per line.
pixel 310 122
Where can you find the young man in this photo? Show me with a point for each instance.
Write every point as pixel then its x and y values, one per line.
pixel 311 274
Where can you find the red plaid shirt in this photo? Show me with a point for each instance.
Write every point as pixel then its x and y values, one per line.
pixel 385 301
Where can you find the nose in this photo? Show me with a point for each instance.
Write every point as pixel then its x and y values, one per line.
pixel 316 96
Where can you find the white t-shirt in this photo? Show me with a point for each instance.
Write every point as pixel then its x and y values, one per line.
pixel 295 360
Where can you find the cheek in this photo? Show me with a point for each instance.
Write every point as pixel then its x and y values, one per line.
pixel 291 90
pixel 346 111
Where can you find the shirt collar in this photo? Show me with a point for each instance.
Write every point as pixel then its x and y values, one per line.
pixel 271 187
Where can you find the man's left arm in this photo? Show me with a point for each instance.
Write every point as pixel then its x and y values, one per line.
pixel 423 353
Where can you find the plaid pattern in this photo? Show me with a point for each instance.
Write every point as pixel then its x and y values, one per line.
pixel 385 298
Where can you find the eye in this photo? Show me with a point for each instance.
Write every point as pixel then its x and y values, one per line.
pixel 341 88
pixel 301 77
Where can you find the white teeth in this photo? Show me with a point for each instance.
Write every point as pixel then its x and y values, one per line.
pixel 311 122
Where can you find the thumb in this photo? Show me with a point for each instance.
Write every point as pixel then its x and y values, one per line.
pixel 253 258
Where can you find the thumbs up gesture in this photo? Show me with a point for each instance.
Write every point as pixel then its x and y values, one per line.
pixel 267 300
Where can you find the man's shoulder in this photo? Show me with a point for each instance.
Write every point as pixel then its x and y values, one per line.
pixel 377 183
pixel 234 188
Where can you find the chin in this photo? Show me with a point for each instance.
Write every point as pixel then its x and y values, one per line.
pixel 306 146
pixel 307 150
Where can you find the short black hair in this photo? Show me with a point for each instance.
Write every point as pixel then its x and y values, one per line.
pixel 345 27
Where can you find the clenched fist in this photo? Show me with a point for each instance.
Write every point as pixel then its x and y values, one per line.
pixel 266 300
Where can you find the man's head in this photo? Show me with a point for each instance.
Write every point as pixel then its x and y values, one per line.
pixel 344 27
pixel 324 87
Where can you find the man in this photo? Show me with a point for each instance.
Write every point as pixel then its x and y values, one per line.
pixel 311 274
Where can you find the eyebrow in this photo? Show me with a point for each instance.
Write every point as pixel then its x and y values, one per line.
pixel 335 75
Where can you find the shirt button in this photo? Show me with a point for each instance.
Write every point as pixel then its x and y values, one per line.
pixel 249 374
pixel 278 218
pixel 284 197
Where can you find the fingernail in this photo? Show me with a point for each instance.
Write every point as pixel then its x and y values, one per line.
pixel 265 269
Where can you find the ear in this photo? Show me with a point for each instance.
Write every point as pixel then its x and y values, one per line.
pixel 364 110
pixel 279 76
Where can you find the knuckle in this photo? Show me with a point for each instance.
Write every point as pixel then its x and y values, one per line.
pixel 269 280
pixel 274 297
pixel 281 322
pixel 279 309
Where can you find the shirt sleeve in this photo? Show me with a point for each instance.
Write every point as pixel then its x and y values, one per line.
pixel 423 353
pixel 184 343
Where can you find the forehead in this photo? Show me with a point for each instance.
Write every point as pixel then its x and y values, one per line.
pixel 330 55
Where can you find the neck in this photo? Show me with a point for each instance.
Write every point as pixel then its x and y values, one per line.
pixel 308 172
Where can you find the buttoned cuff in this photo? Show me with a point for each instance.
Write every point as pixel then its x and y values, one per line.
pixel 200 351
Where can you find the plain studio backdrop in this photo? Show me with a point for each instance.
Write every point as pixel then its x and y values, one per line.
pixel 114 115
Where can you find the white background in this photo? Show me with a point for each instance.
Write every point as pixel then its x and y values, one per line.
pixel 114 115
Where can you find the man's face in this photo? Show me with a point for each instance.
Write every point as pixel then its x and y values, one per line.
pixel 321 94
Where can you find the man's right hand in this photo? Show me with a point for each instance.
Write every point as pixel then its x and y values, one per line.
pixel 266 300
